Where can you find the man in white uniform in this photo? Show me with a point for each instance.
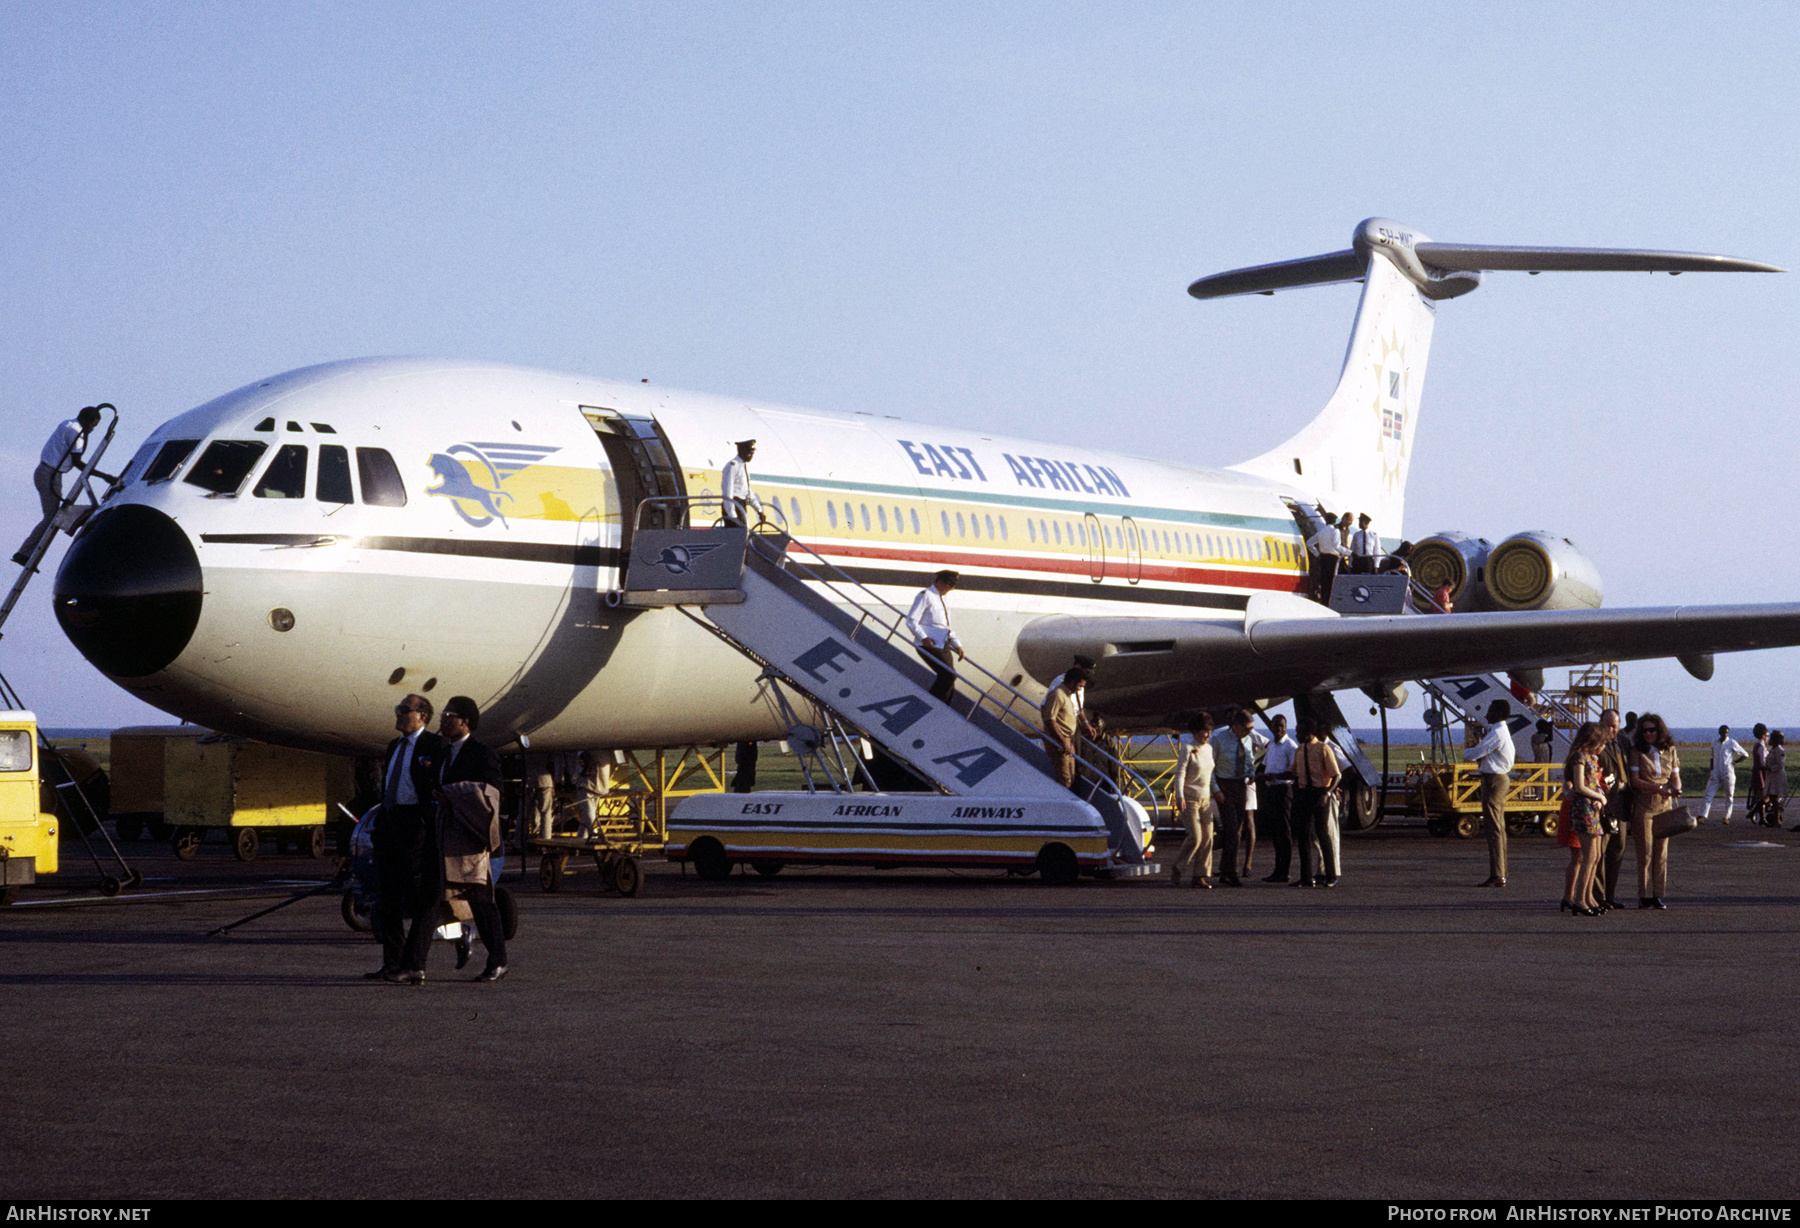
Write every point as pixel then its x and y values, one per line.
pixel 1327 549
pixel 929 622
pixel 1495 755
pixel 61 453
pixel 1365 547
pixel 1726 754
pixel 734 484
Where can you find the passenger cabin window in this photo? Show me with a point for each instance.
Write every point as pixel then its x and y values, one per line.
pixel 334 475
pixel 225 464
pixel 169 459
pixel 15 750
pixel 381 484
pixel 285 478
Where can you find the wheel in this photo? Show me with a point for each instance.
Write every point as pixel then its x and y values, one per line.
pixel 312 842
pixel 550 872
pixel 1551 823
pixel 509 911
pixel 628 876
pixel 129 827
pixel 109 886
pixel 1057 865
pixel 710 862
pixel 186 841
pixel 244 844
pixel 1467 825
pixel 768 869
pixel 1358 812
pixel 354 917
pixel 1438 827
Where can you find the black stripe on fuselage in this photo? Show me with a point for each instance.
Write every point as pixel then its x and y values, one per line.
pixel 609 556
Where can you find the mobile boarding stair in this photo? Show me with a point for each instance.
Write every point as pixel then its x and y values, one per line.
pixel 992 800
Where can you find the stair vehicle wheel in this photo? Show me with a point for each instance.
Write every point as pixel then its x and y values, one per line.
pixel 509 911
pixel 109 886
pixel 129 827
pixel 312 842
pixel 186 841
pixel 354 917
pixel 628 876
pixel 1056 864
pixel 768 869
pixel 710 862
pixel 244 844
pixel 550 872
pixel 1468 825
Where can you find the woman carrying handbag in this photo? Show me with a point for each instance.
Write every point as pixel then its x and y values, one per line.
pixel 1655 783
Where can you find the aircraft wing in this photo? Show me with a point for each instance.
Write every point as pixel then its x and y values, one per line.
pixel 1155 666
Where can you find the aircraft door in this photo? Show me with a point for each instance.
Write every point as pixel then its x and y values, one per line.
pixel 1096 547
pixel 1134 550
pixel 644 467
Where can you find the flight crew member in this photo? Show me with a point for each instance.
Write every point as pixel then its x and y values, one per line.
pixel 464 834
pixel 1327 549
pixel 1365 546
pixel 1495 755
pixel 1726 755
pixel 929 623
pixel 1234 756
pixel 734 485
pixel 1061 713
pixel 1275 789
pixel 401 831
pixel 61 453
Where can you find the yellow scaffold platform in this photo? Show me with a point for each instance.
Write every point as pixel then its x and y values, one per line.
pixel 1449 796
pixel 631 819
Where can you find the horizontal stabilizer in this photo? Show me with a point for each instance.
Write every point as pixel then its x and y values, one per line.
pixel 1487 257
pixel 1286 275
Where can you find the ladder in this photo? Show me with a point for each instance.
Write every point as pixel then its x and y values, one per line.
pixel 70 515
pixel 841 646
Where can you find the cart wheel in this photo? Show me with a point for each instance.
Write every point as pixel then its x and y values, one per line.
pixel 1467 825
pixel 550 872
pixel 186 841
pixel 509 912
pixel 312 842
pixel 627 876
pixel 1438 827
pixel 244 844
pixel 135 879
pixel 710 862
pixel 768 869
pixel 354 917
pixel 130 827
pixel 1552 823
pixel 109 886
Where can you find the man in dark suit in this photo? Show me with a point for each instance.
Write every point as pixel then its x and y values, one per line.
pixel 402 830
pixel 464 761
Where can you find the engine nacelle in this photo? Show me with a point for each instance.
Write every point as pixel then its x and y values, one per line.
pixel 1540 571
pixel 1455 559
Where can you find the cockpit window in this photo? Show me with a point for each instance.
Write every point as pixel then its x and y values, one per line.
pixel 381 484
pixel 334 474
pixel 285 478
pixel 225 464
pixel 169 459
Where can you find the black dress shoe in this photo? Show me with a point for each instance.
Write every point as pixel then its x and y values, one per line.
pixel 379 973
pixel 1230 880
pixel 1301 882
pixel 1645 901
pixel 20 559
pixel 492 972
pixel 1276 878
pixel 1657 903
pixel 403 976
pixel 464 950
pixel 1494 880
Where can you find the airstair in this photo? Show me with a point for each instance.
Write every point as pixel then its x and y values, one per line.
pixel 78 503
pixel 842 648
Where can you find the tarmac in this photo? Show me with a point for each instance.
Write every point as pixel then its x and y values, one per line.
pixel 847 1033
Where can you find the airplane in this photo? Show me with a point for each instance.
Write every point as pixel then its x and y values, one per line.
pixel 288 560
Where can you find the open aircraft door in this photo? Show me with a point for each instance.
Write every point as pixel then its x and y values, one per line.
pixel 644 467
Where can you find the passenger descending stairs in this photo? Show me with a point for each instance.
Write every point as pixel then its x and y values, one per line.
pixel 852 658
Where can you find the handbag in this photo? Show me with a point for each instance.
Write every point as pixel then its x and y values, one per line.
pixel 1564 836
pixel 1674 822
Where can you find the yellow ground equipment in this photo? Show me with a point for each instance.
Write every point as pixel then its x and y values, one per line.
pixel 183 781
pixel 631 818
pixel 1449 796
pixel 27 835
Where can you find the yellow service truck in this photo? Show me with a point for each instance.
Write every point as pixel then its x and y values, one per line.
pixel 27 834
pixel 182 781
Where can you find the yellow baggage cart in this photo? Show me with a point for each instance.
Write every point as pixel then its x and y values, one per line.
pixel 1449 796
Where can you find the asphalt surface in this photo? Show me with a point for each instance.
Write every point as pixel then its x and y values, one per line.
pixel 850 1033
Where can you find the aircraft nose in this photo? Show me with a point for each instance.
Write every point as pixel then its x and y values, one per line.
pixel 128 593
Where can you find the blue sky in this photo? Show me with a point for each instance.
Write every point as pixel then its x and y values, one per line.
pixel 985 214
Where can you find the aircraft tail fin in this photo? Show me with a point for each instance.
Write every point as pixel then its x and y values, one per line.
pixel 1354 456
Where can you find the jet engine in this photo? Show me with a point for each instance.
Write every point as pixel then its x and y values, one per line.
pixel 1527 571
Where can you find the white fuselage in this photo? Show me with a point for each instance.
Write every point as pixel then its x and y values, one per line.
pixel 488 581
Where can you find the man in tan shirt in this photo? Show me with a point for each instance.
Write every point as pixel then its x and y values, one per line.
pixel 1062 715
